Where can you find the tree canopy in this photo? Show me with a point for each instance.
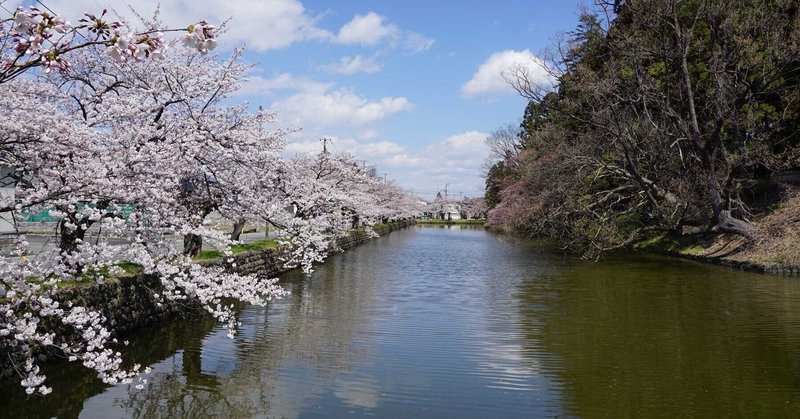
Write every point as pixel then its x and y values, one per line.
pixel 667 115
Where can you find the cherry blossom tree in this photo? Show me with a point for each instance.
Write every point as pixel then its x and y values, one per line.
pixel 322 193
pixel 113 138
pixel 392 202
pixel 474 208
pixel 328 193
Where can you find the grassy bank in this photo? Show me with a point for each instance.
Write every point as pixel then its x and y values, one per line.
pixel 775 250
pixel 238 248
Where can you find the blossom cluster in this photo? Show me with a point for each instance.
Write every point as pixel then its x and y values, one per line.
pixel 32 37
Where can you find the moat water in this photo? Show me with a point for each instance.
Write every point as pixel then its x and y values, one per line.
pixel 451 322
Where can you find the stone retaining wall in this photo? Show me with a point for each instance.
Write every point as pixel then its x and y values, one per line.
pixel 267 262
pixel 748 266
pixel 128 303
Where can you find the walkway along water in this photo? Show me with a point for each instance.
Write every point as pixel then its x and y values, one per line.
pixel 459 322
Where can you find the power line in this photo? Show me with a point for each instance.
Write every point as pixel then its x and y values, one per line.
pixel 45 6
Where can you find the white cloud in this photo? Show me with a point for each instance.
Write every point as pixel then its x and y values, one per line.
pixel 353 65
pixel 319 104
pixel 372 29
pixel 366 29
pixel 402 161
pixel 303 147
pixel 263 25
pixel 256 85
pixel 416 42
pixel 303 143
pixel 380 149
pixel 339 107
pixel 456 160
pixel 368 134
pixel 489 79
pixel 465 146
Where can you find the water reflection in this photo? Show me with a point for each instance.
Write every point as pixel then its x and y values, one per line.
pixel 73 384
pixel 655 337
pixel 454 321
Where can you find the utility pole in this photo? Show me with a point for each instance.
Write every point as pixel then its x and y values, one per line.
pixel 325 144
pixel 445 189
pixel 384 177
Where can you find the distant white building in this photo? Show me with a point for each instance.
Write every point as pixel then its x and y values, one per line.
pixel 443 208
pixel 451 212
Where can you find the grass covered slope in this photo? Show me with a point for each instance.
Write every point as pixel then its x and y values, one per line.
pixel 210 254
pixel 775 249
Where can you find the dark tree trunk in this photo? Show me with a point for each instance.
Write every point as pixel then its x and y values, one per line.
pixel 70 238
pixel 238 227
pixel 192 244
pixel 354 224
pixel 723 221
pixel 726 223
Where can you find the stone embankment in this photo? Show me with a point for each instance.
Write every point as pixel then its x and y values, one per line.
pixel 766 268
pixel 128 302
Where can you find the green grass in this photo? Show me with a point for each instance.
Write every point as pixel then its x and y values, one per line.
pixel 654 242
pixel 774 259
pixel 92 275
pixel 239 248
pixel 130 268
pixel 259 245
pixel 665 242
pixel 660 242
pixel 212 254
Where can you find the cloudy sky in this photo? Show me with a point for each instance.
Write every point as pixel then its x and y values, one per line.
pixel 410 86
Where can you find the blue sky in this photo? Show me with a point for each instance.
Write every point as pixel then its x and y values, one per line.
pixel 413 86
